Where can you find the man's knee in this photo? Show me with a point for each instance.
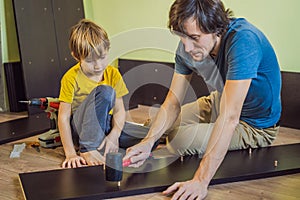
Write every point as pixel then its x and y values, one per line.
pixel 205 109
pixel 189 139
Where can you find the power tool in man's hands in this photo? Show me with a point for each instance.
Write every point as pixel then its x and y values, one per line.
pixel 50 138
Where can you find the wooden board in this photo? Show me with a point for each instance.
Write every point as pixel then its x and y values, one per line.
pixel 290 100
pixel 25 127
pixel 43 29
pixel 89 182
pixel 151 82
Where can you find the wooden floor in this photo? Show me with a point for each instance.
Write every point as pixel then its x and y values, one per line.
pixel 282 187
pixel 7 116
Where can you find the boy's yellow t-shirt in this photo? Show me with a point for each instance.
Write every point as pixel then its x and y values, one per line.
pixel 76 86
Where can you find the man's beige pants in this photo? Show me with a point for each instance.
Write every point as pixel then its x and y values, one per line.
pixel 192 130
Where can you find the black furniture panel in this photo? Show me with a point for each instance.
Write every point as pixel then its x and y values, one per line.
pixel 15 86
pixel 25 127
pixel 148 83
pixel 155 175
pixel 43 30
pixel 290 98
pixel 37 41
pixel 66 14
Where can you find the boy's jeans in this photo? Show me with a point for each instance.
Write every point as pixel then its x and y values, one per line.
pixel 91 122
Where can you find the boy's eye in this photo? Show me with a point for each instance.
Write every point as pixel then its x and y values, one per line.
pixel 88 60
pixel 92 59
pixel 102 56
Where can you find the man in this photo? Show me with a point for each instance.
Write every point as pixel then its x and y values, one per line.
pixel 237 61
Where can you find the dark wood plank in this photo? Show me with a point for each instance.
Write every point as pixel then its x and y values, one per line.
pixel 43 31
pixel 148 83
pixel 25 127
pixel 155 175
pixel 290 99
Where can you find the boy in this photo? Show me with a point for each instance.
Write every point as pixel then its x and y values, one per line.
pixel 91 113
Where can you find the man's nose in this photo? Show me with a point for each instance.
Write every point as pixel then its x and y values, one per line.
pixel 189 45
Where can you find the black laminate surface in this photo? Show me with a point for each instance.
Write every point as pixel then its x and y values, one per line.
pixel 90 183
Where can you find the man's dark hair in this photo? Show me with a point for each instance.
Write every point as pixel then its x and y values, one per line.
pixel 210 15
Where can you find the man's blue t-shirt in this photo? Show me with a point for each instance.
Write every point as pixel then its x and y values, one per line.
pixel 245 53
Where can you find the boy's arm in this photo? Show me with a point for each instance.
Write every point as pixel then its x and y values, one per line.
pixel 118 120
pixel 72 159
pixel 118 117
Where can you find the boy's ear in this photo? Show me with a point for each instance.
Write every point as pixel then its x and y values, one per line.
pixel 72 53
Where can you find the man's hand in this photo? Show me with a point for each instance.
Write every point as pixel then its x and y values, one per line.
pixel 137 154
pixel 74 162
pixel 192 189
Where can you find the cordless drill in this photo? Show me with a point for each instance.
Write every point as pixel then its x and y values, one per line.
pixel 50 105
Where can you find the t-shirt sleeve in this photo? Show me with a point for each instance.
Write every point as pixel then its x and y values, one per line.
pixel 119 84
pixel 181 62
pixel 66 89
pixel 244 56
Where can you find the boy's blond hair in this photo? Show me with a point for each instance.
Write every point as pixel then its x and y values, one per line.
pixel 86 38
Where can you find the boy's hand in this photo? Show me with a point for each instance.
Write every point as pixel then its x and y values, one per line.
pixel 74 162
pixel 111 143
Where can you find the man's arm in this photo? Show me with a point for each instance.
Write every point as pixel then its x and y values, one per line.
pixel 231 105
pixel 171 107
pixel 232 100
pixel 165 118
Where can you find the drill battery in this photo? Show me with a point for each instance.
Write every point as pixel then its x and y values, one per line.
pixel 50 139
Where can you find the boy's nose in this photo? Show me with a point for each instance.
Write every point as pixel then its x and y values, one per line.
pixel 97 65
